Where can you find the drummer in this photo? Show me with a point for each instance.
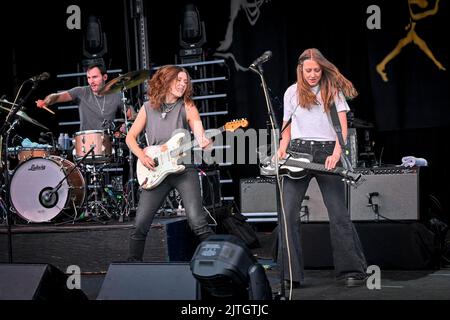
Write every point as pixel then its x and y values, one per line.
pixel 97 108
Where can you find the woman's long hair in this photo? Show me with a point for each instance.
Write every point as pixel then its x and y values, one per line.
pixel 331 83
pixel 159 85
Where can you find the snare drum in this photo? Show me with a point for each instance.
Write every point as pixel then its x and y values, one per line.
pixel 32 182
pixel 99 139
pixel 24 154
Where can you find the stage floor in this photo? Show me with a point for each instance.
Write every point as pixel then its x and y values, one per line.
pixel 94 247
pixel 320 285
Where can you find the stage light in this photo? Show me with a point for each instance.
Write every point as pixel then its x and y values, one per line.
pixel 226 269
pixel 192 34
pixel 94 42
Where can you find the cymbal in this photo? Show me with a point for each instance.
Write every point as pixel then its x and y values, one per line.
pixel 125 82
pixel 25 117
pixel 7 102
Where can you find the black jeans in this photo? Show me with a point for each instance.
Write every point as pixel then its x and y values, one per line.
pixel 188 185
pixel 348 255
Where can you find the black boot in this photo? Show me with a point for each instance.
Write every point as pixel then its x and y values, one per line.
pixel 203 236
pixel 136 250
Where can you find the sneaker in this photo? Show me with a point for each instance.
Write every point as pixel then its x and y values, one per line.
pixel 356 280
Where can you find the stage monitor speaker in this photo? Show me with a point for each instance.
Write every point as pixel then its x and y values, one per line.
pixel 149 281
pixel 258 197
pixel 390 193
pixel 35 282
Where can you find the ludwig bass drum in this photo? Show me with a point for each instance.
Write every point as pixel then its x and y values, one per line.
pixel 31 186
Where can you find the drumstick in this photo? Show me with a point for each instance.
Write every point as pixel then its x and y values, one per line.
pixel 51 111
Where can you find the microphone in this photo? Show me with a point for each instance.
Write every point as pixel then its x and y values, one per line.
pixel 263 58
pixel 17 140
pixel 40 77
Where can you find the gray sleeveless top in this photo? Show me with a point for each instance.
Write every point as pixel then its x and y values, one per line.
pixel 159 129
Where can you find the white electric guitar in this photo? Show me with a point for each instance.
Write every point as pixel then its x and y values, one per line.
pixel 167 156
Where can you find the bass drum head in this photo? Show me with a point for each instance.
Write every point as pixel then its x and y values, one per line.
pixel 28 185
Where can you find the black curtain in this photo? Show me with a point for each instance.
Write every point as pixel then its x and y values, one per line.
pixel 410 112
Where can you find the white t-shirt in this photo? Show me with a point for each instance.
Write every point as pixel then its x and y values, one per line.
pixel 312 124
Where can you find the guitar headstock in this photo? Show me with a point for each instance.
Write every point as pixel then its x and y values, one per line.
pixel 353 179
pixel 235 124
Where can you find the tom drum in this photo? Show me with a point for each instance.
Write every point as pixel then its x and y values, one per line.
pixel 99 139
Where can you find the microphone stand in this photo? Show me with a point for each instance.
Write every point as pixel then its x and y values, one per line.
pixel 5 131
pixel 276 137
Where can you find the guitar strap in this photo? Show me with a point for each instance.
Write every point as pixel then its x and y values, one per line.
pixel 337 127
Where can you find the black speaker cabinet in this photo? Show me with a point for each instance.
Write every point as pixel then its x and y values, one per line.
pixel 149 281
pixel 259 204
pixel 390 193
pixel 35 282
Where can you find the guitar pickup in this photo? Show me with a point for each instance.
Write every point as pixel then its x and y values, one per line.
pixel 155 160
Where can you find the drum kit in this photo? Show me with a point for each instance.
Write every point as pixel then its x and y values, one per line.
pixel 44 184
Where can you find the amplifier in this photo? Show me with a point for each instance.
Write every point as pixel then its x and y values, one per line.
pixel 386 193
pixel 353 146
pixel 313 209
pixel 259 202
pixel 259 199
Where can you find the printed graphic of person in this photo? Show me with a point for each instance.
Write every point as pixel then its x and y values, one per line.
pixel 252 11
pixel 412 36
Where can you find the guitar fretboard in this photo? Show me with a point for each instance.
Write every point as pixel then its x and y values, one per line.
pixel 320 167
pixel 194 143
pixel 312 166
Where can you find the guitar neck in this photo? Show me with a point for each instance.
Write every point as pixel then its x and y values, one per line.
pixel 194 143
pixel 313 166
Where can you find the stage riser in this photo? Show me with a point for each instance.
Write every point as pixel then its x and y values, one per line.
pixel 93 250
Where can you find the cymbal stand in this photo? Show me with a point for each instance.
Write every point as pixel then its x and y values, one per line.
pixel 95 207
pixel 4 185
pixel 5 130
pixel 129 205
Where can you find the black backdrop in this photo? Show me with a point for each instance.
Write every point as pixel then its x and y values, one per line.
pixel 410 113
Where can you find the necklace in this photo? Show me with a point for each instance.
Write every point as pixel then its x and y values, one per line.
pixel 102 109
pixel 166 108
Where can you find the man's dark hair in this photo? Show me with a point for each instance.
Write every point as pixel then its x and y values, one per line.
pixel 97 65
